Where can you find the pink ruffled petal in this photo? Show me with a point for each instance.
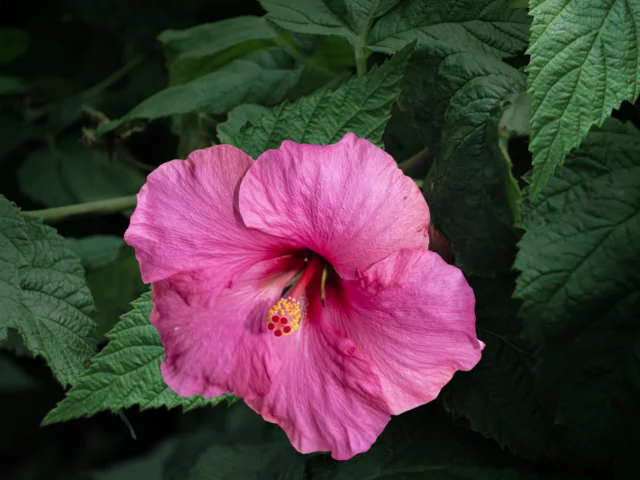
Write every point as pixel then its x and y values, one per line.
pixel 211 350
pixel 187 219
pixel 325 395
pixel 348 202
pixel 414 316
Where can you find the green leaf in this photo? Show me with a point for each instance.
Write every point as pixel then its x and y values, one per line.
pixel 472 195
pixel 584 63
pixel 214 38
pixel 519 3
pixel 499 396
pixel 72 173
pixel 13 44
pixel 348 19
pixel 362 106
pixel 579 255
pixel 112 381
pixel 114 287
pixel 202 49
pixel 237 119
pixel 261 77
pixel 443 27
pixel 43 294
pixel 96 250
pixel 580 277
pixel 60 325
pixel 15 250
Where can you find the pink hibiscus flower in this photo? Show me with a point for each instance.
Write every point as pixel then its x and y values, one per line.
pixel 374 324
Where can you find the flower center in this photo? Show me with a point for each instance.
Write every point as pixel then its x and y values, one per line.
pixel 285 316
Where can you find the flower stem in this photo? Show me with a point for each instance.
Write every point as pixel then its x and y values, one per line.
pixel 58 214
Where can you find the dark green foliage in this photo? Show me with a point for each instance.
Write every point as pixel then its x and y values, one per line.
pixel 362 106
pixel 580 265
pixel 96 95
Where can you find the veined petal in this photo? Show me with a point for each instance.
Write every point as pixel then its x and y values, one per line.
pixel 324 394
pixel 222 347
pixel 413 314
pixel 187 220
pixel 348 202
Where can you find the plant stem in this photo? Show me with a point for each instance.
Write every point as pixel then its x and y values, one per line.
pixel 361 61
pixel 57 214
pixel 421 160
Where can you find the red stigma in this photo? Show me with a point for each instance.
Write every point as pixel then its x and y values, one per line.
pixel 287 329
pixel 283 320
pixel 271 326
pixel 276 318
pixel 277 333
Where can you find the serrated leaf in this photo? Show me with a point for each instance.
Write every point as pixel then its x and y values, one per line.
pixel 13 44
pixel 348 19
pixel 125 373
pixel 237 119
pixel 580 284
pixel 362 106
pixel 431 82
pixel 15 250
pixel 96 250
pixel 260 77
pixel 580 255
pixel 471 192
pixel 499 396
pixel 584 63
pixel 43 294
pixel 443 27
pixel 53 289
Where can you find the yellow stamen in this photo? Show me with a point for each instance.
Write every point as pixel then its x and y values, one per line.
pixel 284 317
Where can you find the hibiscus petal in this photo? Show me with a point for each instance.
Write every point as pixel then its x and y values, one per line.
pixel 325 395
pixel 187 219
pixel 348 202
pixel 211 350
pixel 414 315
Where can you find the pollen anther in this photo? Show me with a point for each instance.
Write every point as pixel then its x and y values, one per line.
pixel 284 317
